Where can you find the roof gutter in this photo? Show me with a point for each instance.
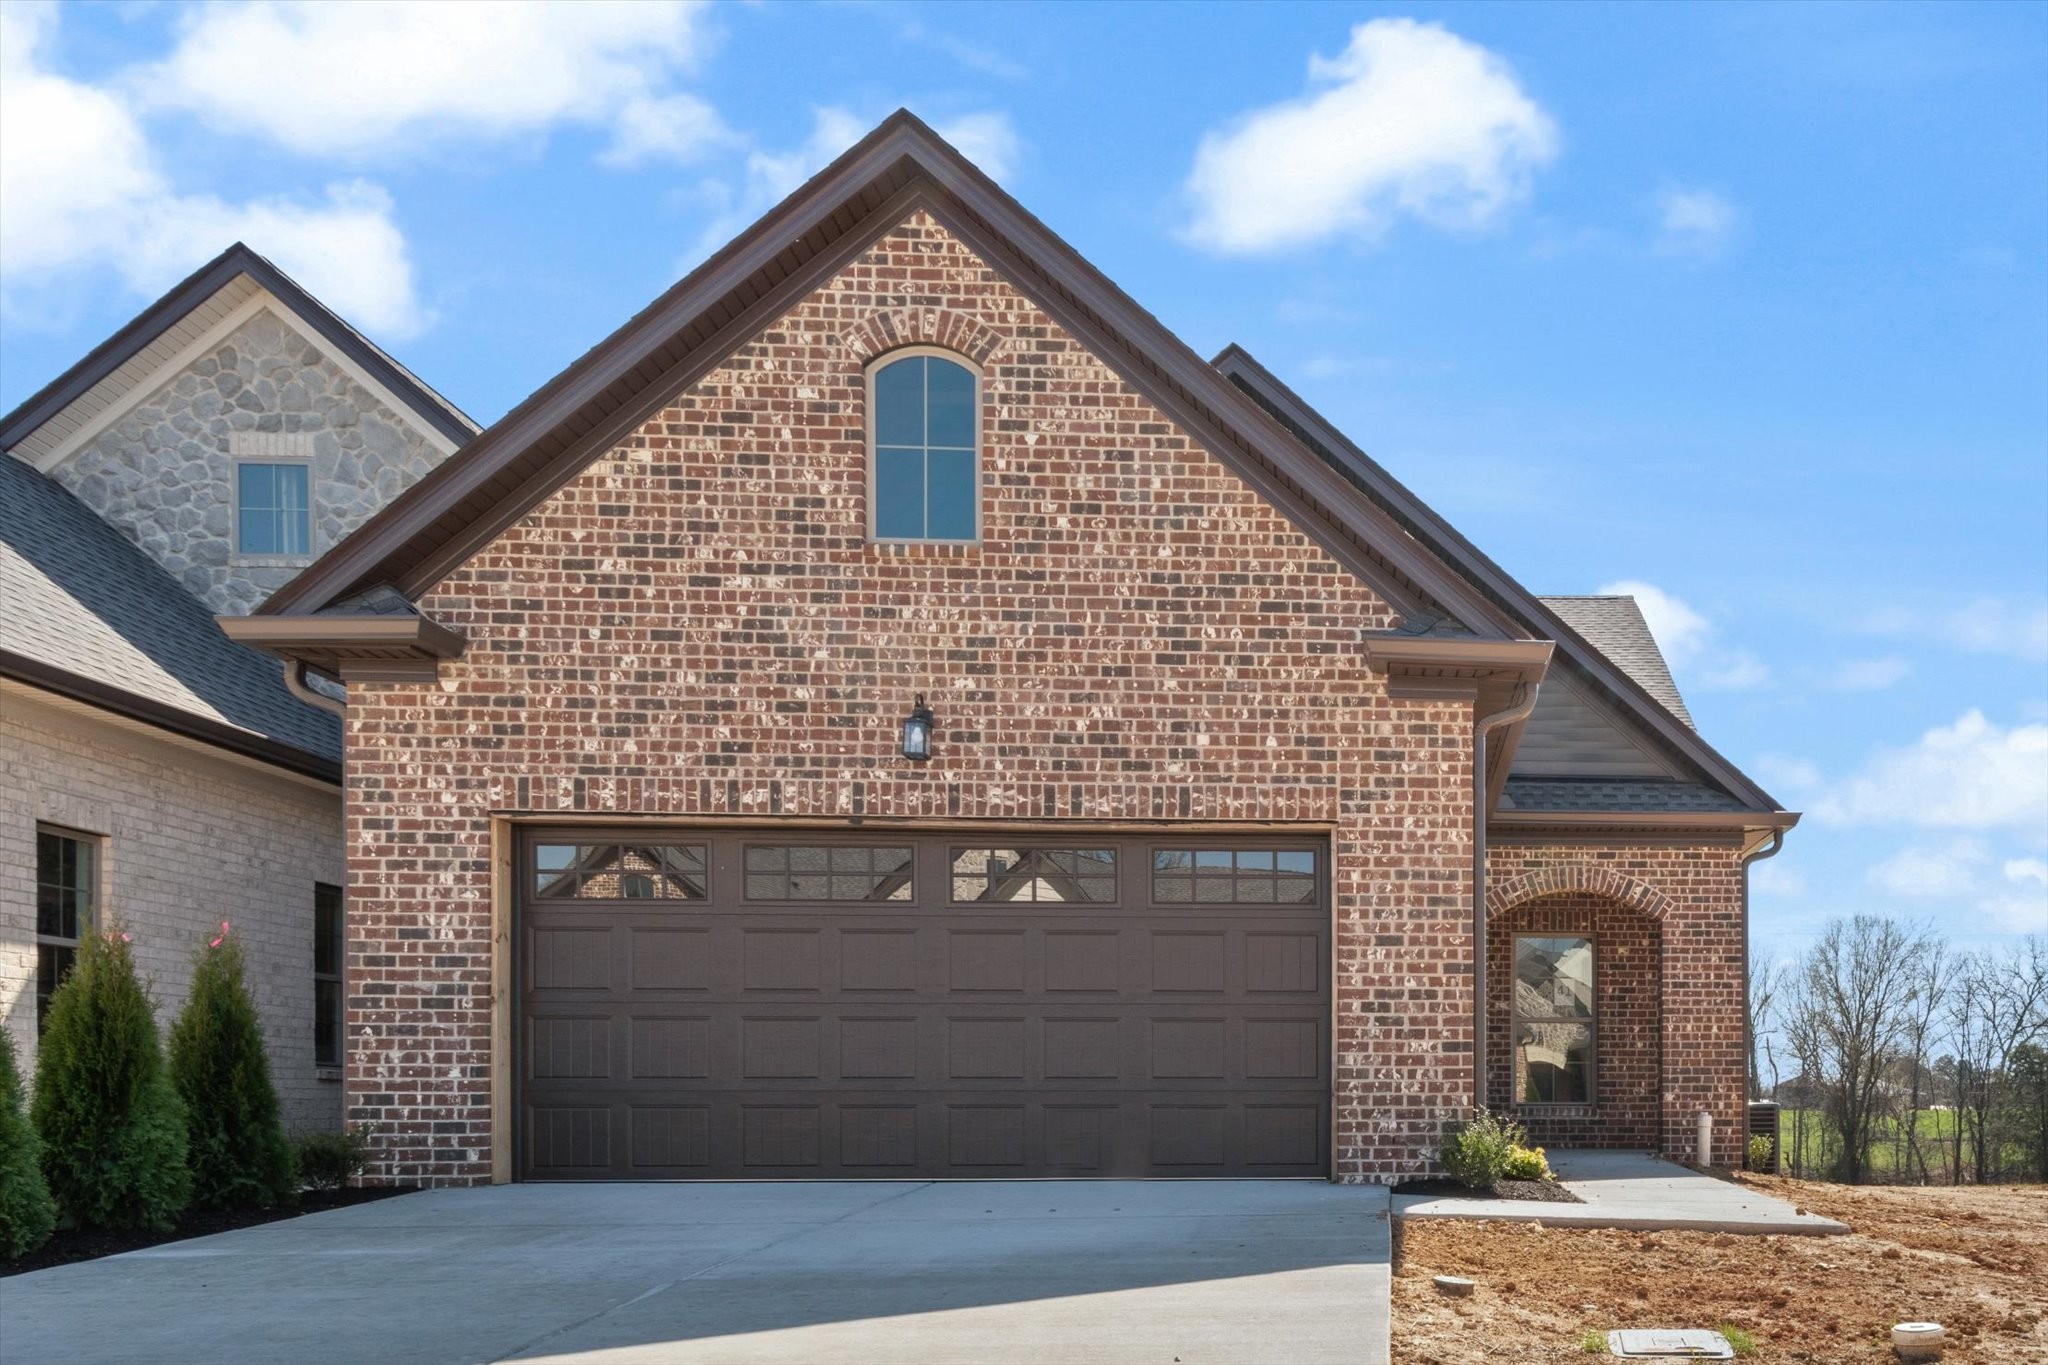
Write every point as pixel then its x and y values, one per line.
pixel 296 684
pixel 1513 713
pixel 1755 855
pixel 185 724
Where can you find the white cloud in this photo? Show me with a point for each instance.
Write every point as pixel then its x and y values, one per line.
pixel 1694 223
pixel 676 127
pixel 1408 119
pixel 1959 874
pixel 1689 641
pixel 1969 775
pixel 1776 881
pixel 1982 625
pixel 1794 774
pixel 124 214
pixel 1867 675
pixel 987 139
pixel 1932 871
pixel 350 80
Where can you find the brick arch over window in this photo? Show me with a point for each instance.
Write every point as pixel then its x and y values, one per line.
pixel 1504 896
pixel 893 328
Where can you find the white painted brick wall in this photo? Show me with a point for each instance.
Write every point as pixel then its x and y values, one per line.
pixel 190 840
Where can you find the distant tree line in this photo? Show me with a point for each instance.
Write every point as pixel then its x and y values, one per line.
pixel 1897 1059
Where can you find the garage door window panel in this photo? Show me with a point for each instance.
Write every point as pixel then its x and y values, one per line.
pixel 609 872
pixel 1234 876
pixel 828 872
pixel 1034 875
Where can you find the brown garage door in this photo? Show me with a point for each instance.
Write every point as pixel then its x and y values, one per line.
pixel 773 1005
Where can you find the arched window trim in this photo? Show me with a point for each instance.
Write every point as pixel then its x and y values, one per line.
pixel 875 367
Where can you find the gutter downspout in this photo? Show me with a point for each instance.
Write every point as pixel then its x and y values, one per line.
pixel 1515 711
pixel 1755 855
pixel 296 684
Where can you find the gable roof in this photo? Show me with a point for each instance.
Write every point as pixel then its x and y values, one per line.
pixel 1577 656
pixel 1436 580
pixel 209 294
pixel 902 166
pixel 91 617
pixel 1615 626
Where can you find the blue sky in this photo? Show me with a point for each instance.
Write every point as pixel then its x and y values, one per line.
pixel 1744 306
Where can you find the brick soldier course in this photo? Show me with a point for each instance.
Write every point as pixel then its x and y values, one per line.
pixel 692 627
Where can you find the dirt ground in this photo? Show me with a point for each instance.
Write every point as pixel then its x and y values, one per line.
pixel 1974 1260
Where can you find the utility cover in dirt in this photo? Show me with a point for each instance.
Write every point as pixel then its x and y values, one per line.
pixel 1690 1343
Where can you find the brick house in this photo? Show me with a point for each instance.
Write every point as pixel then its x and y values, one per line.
pixel 150 768
pixel 893 710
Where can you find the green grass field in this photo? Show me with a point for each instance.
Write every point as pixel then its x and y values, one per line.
pixel 1891 1159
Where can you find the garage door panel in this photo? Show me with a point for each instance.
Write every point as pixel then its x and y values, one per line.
pixel 1038 1013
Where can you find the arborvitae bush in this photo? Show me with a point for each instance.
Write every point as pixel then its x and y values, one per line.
pixel 112 1129
pixel 234 1142
pixel 27 1213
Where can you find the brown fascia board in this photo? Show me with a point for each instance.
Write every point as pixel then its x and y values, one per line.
pixel 1500 586
pixel 1450 657
pixel 412 644
pixel 97 694
pixel 1526 823
pixel 202 284
pixel 473 496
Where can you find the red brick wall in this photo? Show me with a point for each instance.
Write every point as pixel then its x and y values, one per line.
pixel 697 627
pixel 1627 1111
pixel 1693 893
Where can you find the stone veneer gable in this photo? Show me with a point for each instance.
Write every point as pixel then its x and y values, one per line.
pixel 163 473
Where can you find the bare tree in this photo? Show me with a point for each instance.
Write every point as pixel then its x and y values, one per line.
pixel 1766 983
pixel 1855 990
pixel 1996 1008
pixel 1936 967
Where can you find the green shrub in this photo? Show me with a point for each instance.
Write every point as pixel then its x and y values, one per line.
pixel 1760 1154
pixel 328 1160
pixel 234 1143
pixel 1526 1163
pixel 1476 1152
pixel 27 1213
pixel 112 1130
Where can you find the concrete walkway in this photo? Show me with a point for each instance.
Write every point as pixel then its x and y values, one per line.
pixel 1634 1190
pixel 1041 1272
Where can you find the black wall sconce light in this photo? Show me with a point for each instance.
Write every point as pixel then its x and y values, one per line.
pixel 917 732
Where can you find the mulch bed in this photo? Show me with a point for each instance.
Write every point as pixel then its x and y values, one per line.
pixel 1533 1191
pixel 89 1244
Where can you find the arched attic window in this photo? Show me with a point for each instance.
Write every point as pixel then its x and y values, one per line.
pixel 924 448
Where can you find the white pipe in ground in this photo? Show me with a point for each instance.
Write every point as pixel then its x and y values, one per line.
pixel 1706 1138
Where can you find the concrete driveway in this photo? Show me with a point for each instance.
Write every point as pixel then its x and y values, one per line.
pixel 1041 1272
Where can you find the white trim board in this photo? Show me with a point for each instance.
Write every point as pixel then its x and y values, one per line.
pixel 212 337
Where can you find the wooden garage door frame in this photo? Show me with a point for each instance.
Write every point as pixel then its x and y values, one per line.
pixel 514 839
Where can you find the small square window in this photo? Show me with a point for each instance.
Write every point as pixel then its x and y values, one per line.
pixel 273 509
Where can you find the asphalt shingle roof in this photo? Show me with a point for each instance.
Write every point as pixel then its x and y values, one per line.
pixel 79 597
pixel 1604 794
pixel 1615 626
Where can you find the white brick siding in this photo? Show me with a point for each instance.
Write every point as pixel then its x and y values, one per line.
pixel 190 840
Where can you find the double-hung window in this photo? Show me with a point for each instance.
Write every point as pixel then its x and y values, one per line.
pixel 1554 1020
pixel 67 902
pixel 327 948
pixel 273 509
